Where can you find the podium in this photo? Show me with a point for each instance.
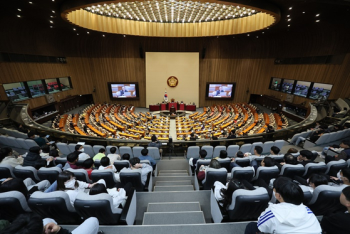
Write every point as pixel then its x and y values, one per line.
pixel 182 106
pixel 172 109
pixel 153 107
pixel 174 104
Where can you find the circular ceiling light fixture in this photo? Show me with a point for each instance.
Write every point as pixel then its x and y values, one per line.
pixel 171 18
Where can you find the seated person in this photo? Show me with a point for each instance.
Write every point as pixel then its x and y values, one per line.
pixel 72 159
pixel 32 157
pixel 113 156
pixel 145 156
pixel 305 157
pixel 193 137
pixel 289 215
pixel 257 152
pixel 126 157
pixel 7 157
pixel 222 155
pixel 193 161
pixel 201 174
pixel 155 143
pixel 88 165
pixel 101 154
pixel 313 181
pixel 232 135
pixel 80 151
pixel 287 159
pixel 343 178
pixel 266 162
pixel 106 164
pixel 274 151
pixel 45 151
pixel 345 154
pixel 26 187
pixel 338 223
pixel 135 164
pixel 270 129
pixel 41 140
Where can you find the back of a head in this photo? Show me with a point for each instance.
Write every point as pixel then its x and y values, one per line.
pixel 88 163
pixel 269 162
pixel 153 138
pixel 239 154
pixel 292 151
pixel 105 162
pixel 4 152
pixel 14 184
pixel 346 173
pixel 134 161
pixel 62 178
pixel 35 149
pixel 275 149
pixel 54 153
pixel 306 153
pixel 214 164
pixel 318 179
pixel 45 149
pixel 97 189
pixel 42 135
pixel 289 191
pixel 346 192
pixel 77 147
pixel 144 152
pixel 102 150
pixel 126 157
pixel 40 163
pixel 202 153
pixel 26 223
pixel 113 150
pixel 72 157
pixel 289 159
pixel 192 134
pixel 346 142
pixel 30 134
pixel 223 154
pixel 258 149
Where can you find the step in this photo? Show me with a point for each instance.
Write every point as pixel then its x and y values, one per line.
pixel 173 188
pixel 159 218
pixel 170 183
pixel 173 174
pixel 173 171
pixel 173 206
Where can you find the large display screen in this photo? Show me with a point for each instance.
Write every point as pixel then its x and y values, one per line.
pixel 320 91
pixel 123 90
pixel 287 86
pixel 275 83
pixel 302 88
pixel 220 90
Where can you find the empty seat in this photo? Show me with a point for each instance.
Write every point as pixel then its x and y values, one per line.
pixel 107 175
pixel 50 174
pixel 121 164
pixel 217 150
pixel 209 150
pixel 192 152
pixel 334 166
pixel 26 172
pixel 212 175
pixel 242 173
pixel 6 171
pixel 12 204
pixel 96 148
pixel 71 147
pixel 292 170
pixel 125 150
pixel 246 148
pixel 30 143
pixel 154 153
pixel 108 149
pixel 55 205
pixel 314 168
pixel 232 150
pixel 80 174
pixel 89 150
pixel 266 173
pixel 256 144
pixel 63 147
pixel 267 147
pixel 136 150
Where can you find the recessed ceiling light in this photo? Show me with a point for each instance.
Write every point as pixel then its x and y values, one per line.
pixel 51 21
pixel 18 16
pixel 248 35
pixel 74 29
pixel 290 8
pixel 124 36
pixel 268 28
pixel 53 12
pixel 77 34
pixel 103 35
pixel 51 16
pixel 19 9
pixel 317 15
pixel 263 32
pixel 51 26
pixel 288 25
pixel 88 32
pixel 303 12
pixel 257 36
pixel 30 3
pixel 288 15
pixel 289 19
pixel 317 21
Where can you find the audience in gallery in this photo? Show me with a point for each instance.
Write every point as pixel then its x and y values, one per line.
pixel 344 154
pixel 106 164
pixel 156 143
pixel 26 187
pixel 72 159
pixel 101 153
pixel 32 156
pixel 113 156
pixel 274 151
pixel 305 157
pixel 7 157
pixel 144 168
pixel 41 140
pixel 145 156
pixel 289 215
pixel 79 149
pixel 214 164
pixel 313 181
pixel 88 166
pixel 193 161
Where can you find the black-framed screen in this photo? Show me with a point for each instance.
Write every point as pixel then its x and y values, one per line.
pixel 275 83
pixel 220 90
pixel 302 88
pixel 125 90
pixel 287 86
pixel 320 91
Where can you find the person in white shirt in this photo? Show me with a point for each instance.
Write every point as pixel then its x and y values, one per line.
pixel 105 164
pixel 135 164
pixel 289 216
pixel 80 150
pixel 113 156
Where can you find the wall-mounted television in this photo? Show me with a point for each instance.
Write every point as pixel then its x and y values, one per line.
pixel 287 86
pixel 220 90
pixel 275 83
pixel 302 88
pixel 320 91
pixel 129 90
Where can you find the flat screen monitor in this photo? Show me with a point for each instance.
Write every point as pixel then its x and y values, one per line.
pixel 287 86
pixel 123 90
pixel 302 88
pixel 220 90
pixel 275 83
pixel 320 91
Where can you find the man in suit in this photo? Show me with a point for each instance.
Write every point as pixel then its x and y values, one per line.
pixel 122 91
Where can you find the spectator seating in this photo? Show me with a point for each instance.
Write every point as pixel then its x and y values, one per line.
pixel 50 174
pixel 108 148
pixel 126 150
pixel 243 162
pixel 334 166
pixel 6 171
pixel 314 168
pixel 96 148
pixel 134 177
pixel 107 175
pixel 209 150
pixel 232 150
pixel 26 172
pixel 80 174
pixel 225 162
pixel 212 175
pixel 246 148
pixel 327 138
pixel 12 204
pixel 256 144
pixel 201 162
pixel 121 164
pixel 192 152
pixel 266 173
pixel 242 173
pixel 292 170
pixel 217 150
pixel 154 153
pixel 267 147
pixel 136 150
pixel 89 150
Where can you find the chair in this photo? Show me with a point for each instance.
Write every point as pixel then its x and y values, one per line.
pixel 201 162
pixel 267 147
pixel 242 173
pixel 107 175
pixel 55 205
pixel 247 204
pixel 256 144
pixel 50 174
pixel 96 148
pixel 80 174
pixel 292 170
pixel 246 148
pixel 26 172
pixel 225 163
pixel 21 143
pixel 314 168
pixel 71 147
pixel 89 150
pixel 334 166
pixel 243 162
pixel 6 171
pixel 192 152
pixel 101 206
pixel 63 147
pixel 217 150
pixel 12 204
pixel 12 141
pixel 30 143
pixel 209 150
pixel 307 193
pixel 277 158
pixel 3 140
pixel 134 177
pixel 136 150
pixel 266 173
pixel 121 164
pixel 108 148
pixel 154 153
pixel 325 200
pixel 279 143
pixel 125 150
pixel 212 175
pixel 232 150
pixel 62 161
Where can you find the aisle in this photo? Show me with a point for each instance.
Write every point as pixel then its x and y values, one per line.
pixel 172 129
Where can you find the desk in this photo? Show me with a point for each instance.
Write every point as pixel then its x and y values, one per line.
pixel 163 106
pixel 172 104
pixel 182 106
pixel 154 107
pixel 191 107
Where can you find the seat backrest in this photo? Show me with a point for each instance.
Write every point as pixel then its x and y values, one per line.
pixel 248 204
pixel 89 150
pixel 50 174
pixel 12 141
pixel 256 144
pixel 267 147
pixel 266 173
pixel 325 200
pixel 242 173
pixel 63 147
pixel 154 153
pixel 279 143
pixel 217 150
pixel 314 168
pixel 212 175
pixel 243 162
pixel 121 164
pixel 6 171
pixel 201 162
pixel 232 150
pixel 125 150
pixel 292 170
pixel 108 149
pixel 55 205
pixel 71 147
pixel 107 175
pixel 12 204
pixel 277 158
pixel 80 174
pixel 99 206
pixel 26 172
pixel 225 163
pixel 22 143
pixel 3 140
pixel 209 150
pixel 246 148
pixel 334 166
pixel 192 152
pixel 136 150
pixel 323 139
pixel 30 143
pixel 134 177
pixel 96 148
